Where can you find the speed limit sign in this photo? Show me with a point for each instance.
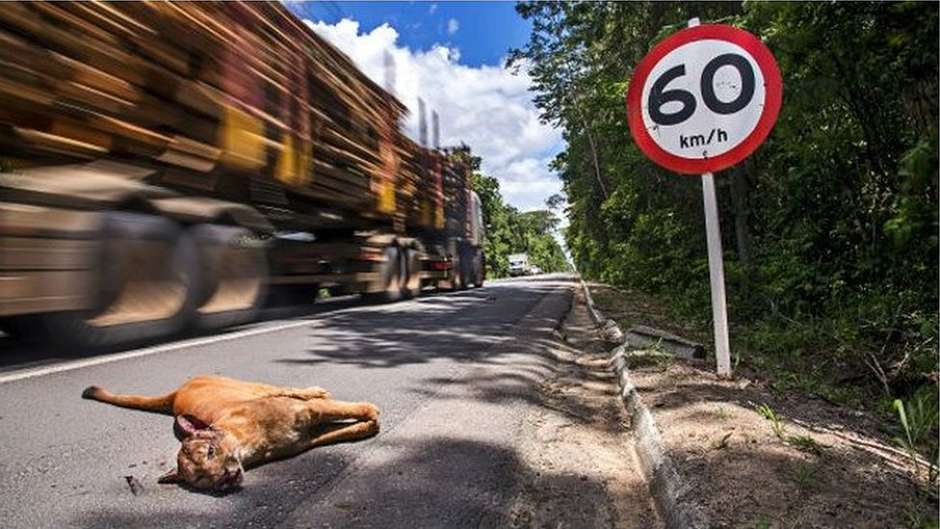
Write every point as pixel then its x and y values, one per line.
pixel 703 99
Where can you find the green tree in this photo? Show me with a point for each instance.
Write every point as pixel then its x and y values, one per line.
pixel 498 242
pixel 830 227
pixel 510 231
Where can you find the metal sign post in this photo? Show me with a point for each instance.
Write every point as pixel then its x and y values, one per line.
pixel 716 269
pixel 701 101
pixel 716 276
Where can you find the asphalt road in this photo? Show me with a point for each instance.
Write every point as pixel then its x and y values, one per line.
pixel 451 373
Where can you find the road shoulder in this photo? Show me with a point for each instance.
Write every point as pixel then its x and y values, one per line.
pixel 583 472
pixel 749 456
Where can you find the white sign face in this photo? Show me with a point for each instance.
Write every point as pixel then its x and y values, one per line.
pixel 703 99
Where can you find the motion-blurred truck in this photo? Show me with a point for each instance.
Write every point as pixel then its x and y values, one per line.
pixel 518 264
pixel 175 165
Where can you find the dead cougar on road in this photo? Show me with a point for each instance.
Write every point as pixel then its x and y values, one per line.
pixel 225 425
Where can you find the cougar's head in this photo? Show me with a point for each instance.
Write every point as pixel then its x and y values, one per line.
pixel 208 458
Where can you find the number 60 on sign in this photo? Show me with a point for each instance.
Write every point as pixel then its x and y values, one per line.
pixel 704 99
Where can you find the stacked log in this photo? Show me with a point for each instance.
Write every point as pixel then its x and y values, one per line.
pixel 210 95
pixel 457 197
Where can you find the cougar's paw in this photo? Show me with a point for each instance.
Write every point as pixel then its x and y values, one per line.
pixel 372 411
pixel 91 392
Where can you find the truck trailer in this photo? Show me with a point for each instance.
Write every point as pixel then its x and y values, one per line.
pixel 178 165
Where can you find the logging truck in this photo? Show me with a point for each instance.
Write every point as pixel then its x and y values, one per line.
pixel 171 166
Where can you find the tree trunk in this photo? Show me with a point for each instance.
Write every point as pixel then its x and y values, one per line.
pixel 739 202
pixel 597 165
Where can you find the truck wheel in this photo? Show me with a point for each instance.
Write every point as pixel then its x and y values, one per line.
pixel 391 278
pixel 457 277
pixel 466 277
pixel 479 272
pixel 460 277
pixel 146 286
pixel 466 267
pixel 234 275
pixel 411 262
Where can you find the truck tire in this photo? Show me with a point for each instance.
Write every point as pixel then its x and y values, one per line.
pixel 234 273
pixel 411 261
pixel 391 277
pixel 465 265
pixel 479 269
pixel 459 275
pixel 146 289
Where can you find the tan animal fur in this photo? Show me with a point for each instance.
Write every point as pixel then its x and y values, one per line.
pixel 226 425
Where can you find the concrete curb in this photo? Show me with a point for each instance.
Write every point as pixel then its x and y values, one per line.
pixel 667 487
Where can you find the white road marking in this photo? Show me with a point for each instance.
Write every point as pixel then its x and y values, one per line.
pixel 116 357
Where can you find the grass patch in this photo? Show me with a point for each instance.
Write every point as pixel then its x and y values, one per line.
pixel 864 351
pixel 776 425
pixel 721 413
pixel 917 418
pixel 916 518
pixel 662 359
pixel 721 443
pixel 805 443
pixel 805 476
pixel 763 523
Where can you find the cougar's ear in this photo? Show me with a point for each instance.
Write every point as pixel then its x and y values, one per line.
pixel 187 425
pixel 170 477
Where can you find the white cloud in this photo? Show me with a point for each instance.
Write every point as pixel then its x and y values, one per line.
pixel 432 9
pixel 486 107
pixel 452 26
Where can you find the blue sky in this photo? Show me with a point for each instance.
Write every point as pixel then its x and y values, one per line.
pixel 450 54
pixel 482 31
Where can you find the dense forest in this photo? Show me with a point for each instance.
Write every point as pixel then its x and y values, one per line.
pixel 830 229
pixel 510 231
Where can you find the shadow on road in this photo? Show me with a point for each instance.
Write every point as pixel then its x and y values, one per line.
pixel 458 326
pixel 410 489
pixel 30 351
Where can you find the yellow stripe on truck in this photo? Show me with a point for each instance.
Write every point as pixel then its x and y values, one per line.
pixel 293 164
pixel 241 138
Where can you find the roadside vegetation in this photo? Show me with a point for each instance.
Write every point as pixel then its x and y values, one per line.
pixel 510 231
pixel 830 229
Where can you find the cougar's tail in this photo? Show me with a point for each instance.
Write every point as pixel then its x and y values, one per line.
pixel 163 404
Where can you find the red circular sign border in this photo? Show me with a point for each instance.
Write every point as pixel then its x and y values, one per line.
pixel 772 99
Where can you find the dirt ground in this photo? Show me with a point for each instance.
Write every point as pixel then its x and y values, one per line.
pixel 580 432
pixel 757 458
